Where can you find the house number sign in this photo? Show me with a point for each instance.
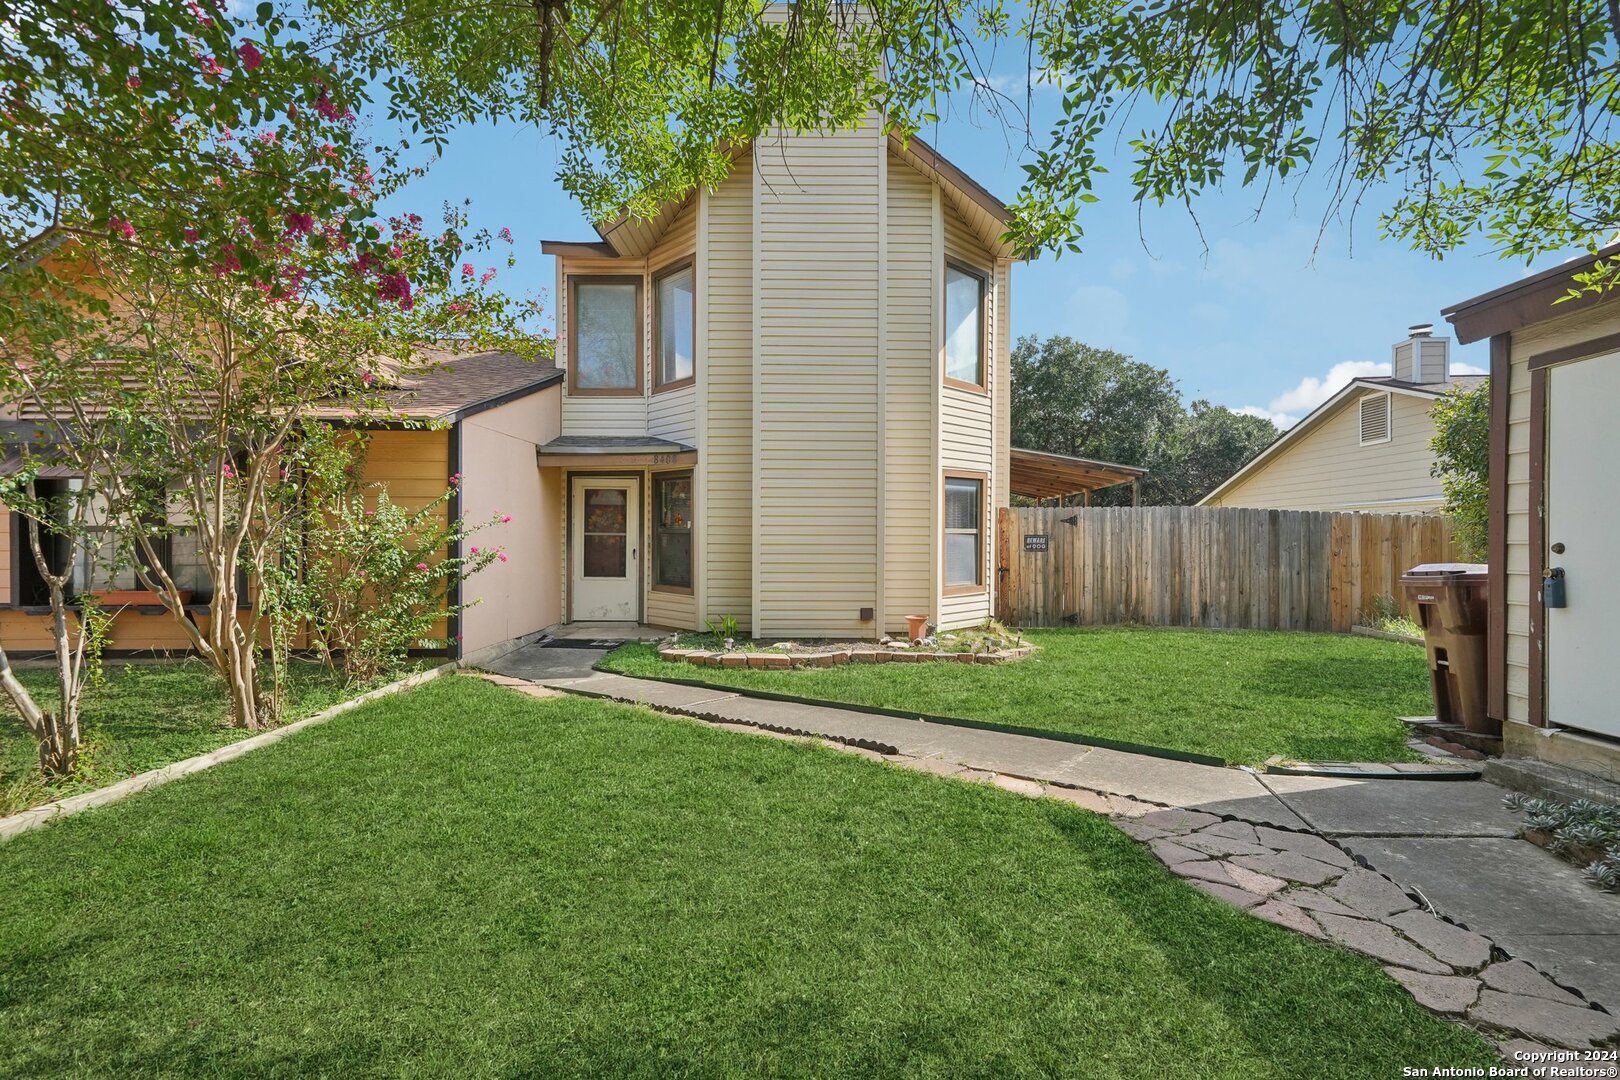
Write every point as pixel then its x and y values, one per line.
pixel 1036 542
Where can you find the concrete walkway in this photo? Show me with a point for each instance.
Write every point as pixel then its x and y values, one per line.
pixel 1450 843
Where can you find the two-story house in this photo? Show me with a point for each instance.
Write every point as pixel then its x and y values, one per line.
pixel 786 399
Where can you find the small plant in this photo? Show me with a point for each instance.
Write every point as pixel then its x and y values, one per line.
pixel 1384 614
pixel 1585 832
pixel 725 630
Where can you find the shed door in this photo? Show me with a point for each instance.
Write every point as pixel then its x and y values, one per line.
pixel 605 550
pixel 1583 515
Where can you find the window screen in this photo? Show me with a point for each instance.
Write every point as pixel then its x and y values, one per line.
pixel 675 297
pixel 964 326
pixel 964 532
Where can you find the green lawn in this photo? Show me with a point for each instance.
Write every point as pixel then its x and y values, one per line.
pixel 464 881
pixel 146 716
pixel 1240 695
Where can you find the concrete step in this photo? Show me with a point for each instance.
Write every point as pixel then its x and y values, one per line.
pixel 1547 781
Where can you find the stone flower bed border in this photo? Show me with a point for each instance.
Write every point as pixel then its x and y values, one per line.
pixel 875 654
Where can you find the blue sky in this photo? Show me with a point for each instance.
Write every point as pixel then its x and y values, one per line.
pixel 1273 316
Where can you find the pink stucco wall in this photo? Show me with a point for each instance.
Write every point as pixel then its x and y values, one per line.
pixel 500 476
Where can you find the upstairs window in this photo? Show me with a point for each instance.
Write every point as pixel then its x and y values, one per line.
pixel 964 326
pixel 964 533
pixel 1374 419
pixel 604 336
pixel 674 328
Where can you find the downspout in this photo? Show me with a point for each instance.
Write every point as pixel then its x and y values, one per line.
pixel 454 509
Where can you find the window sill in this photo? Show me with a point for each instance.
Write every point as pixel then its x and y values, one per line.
pixel 676 590
pixel 678 384
pixel 628 392
pixel 966 590
pixel 967 387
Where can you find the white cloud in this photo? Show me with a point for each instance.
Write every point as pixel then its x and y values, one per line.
pixel 1101 316
pixel 1460 368
pixel 1286 409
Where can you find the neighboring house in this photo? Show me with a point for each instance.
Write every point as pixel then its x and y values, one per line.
pixel 486 411
pixel 1555 510
pixel 1366 448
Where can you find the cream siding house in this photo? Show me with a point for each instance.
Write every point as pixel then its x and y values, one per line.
pixel 1365 449
pixel 1554 514
pixel 787 398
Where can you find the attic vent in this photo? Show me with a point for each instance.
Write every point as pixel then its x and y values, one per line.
pixel 1374 419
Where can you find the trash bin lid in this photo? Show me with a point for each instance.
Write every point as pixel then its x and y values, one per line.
pixel 1435 570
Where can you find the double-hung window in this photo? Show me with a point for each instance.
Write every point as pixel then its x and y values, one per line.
pixel 964 533
pixel 965 292
pixel 674 328
pixel 604 337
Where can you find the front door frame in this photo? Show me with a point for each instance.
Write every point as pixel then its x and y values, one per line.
pixel 640 481
pixel 1594 349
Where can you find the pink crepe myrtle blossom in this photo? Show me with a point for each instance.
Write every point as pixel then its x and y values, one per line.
pixel 198 13
pixel 488 276
pixel 209 65
pixel 250 55
pixel 455 479
pixel 133 82
pixel 422 566
pixel 467 271
pixel 506 519
pixel 227 471
pixel 396 287
pixel 368 378
pixel 456 307
pixel 475 550
pixel 505 234
pixel 121 227
pixel 300 224
pixel 190 234
pixel 267 137
pixel 501 555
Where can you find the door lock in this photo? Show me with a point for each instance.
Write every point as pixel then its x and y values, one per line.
pixel 1552 587
pixel 1558 548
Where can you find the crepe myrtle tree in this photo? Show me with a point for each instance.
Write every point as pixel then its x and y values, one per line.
pixel 175 330
pixel 56 534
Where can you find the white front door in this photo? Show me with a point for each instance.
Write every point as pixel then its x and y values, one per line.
pixel 1583 537
pixel 605 550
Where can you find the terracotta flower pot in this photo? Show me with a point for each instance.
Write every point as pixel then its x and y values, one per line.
pixel 916 627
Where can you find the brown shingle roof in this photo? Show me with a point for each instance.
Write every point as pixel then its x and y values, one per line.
pixel 457 384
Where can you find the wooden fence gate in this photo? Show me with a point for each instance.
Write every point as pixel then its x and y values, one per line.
pixel 1206 565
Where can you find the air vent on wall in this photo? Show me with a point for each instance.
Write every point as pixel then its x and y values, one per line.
pixel 1374 419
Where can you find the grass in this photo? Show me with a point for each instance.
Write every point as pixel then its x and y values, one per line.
pixel 1242 696
pixel 146 716
pixel 465 881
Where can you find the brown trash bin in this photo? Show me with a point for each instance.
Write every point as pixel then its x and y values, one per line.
pixel 1450 600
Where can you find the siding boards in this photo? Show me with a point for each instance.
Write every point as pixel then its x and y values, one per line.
pixel 908 451
pixel 725 533
pixel 1208 566
pixel 967 437
pixel 1327 468
pixel 815 381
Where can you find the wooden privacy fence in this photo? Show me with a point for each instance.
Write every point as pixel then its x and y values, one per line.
pixel 1206 565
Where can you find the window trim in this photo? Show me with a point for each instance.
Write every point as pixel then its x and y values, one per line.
pixel 675 267
pixel 983 277
pixel 981 575
pixel 653 527
pixel 1389 419
pixel 574 281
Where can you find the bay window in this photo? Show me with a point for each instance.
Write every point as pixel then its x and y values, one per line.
pixel 674 328
pixel 604 336
pixel 964 533
pixel 965 291
pixel 672 532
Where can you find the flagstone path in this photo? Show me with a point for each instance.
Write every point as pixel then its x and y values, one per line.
pixel 1427 877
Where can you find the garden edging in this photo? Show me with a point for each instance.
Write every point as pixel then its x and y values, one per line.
pixel 782 661
pixel 37 816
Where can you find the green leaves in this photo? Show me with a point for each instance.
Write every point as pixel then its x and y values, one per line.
pixel 1462 450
